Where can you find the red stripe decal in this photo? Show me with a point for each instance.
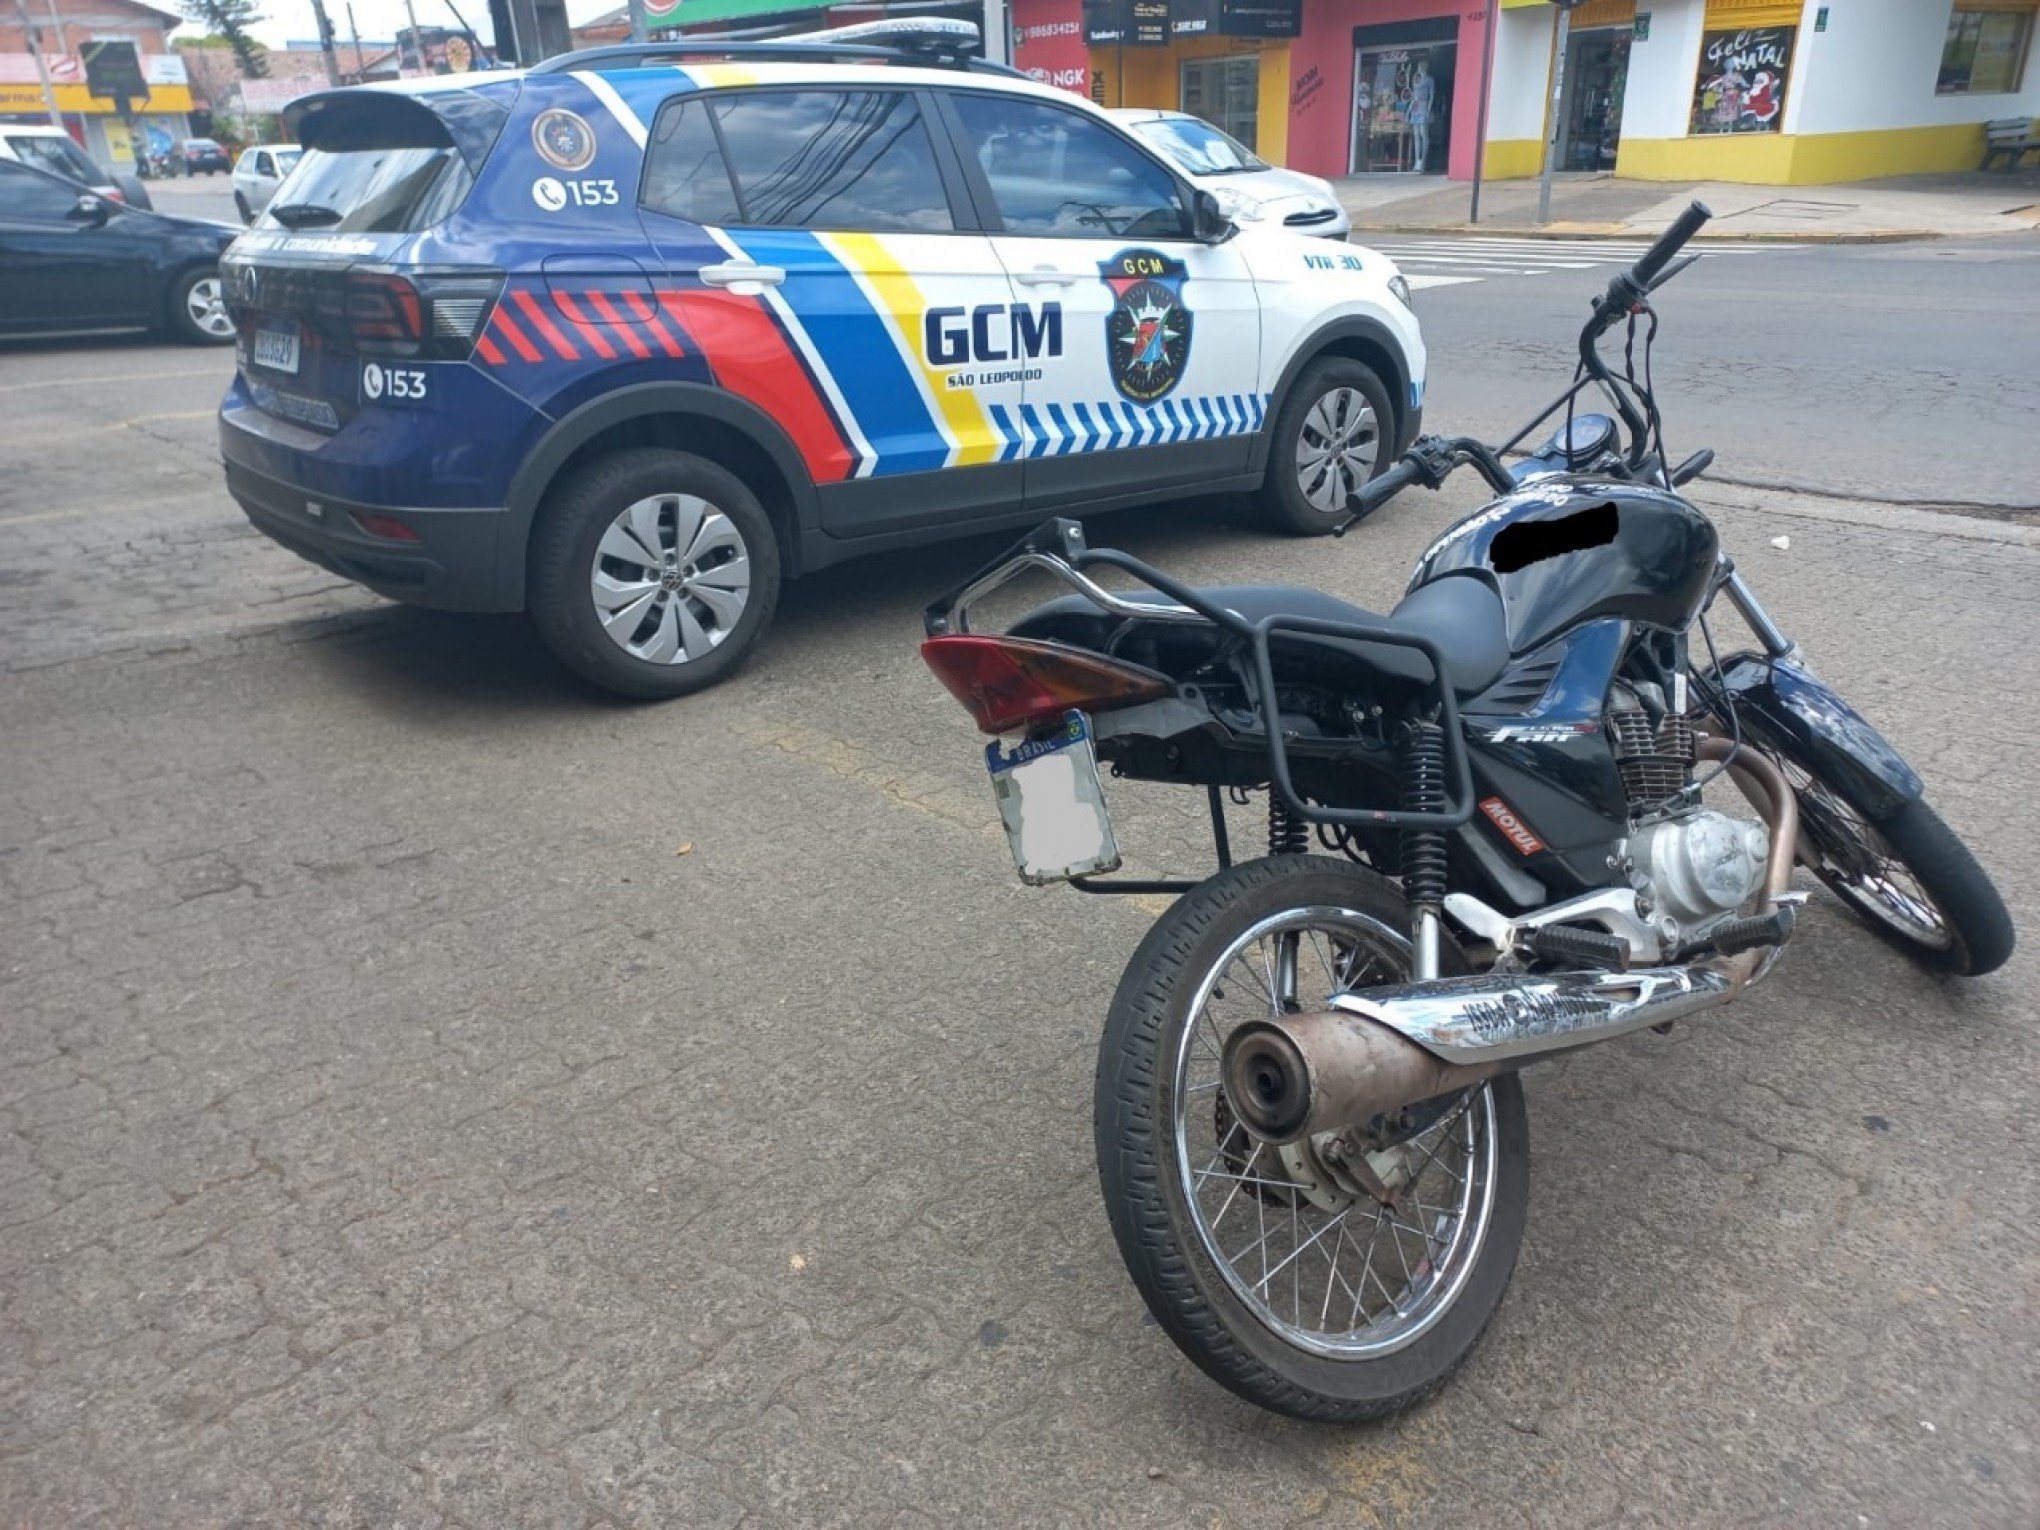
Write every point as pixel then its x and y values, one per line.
pixel 507 327
pixel 588 330
pixel 545 326
pixel 648 316
pixel 601 305
pixel 489 352
pixel 750 356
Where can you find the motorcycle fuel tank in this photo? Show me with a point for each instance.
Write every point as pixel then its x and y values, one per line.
pixel 1567 550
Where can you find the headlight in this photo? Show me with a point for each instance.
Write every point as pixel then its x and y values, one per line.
pixel 1240 207
pixel 1400 286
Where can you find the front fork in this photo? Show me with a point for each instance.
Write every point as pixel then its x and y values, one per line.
pixel 1744 599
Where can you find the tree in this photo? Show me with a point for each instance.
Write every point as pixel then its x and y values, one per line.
pixel 230 20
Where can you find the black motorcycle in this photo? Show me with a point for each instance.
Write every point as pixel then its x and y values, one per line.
pixel 1310 1129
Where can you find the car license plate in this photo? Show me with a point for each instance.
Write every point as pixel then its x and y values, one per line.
pixel 277 349
pixel 1053 805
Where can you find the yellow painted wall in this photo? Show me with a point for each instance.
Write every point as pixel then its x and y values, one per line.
pixel 1152 77
pixel 1801 159
pixel 1510 158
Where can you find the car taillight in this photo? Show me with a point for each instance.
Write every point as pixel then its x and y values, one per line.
pixel 433 315
pixel 1009 684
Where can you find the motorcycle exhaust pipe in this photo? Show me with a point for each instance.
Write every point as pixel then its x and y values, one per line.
pixel 1298 1075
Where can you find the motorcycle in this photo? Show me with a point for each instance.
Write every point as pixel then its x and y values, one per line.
pixel 1310 1125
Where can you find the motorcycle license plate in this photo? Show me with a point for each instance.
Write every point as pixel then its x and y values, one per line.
pixel 277 349
pixel 1053 805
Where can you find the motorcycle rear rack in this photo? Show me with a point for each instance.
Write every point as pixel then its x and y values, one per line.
pixel 1057 547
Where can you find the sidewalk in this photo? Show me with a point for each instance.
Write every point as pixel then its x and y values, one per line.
pixel 1906 207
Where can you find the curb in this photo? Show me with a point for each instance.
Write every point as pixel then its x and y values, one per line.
pixel 1623 231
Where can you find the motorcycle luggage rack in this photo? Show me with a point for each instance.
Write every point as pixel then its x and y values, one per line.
pixel 1057 547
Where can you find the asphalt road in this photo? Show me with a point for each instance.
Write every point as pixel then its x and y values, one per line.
pixel 1900 372
pixel 432 1095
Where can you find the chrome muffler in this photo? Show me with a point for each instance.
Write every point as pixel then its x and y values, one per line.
pixel 1300 1075
pixel 1295 1076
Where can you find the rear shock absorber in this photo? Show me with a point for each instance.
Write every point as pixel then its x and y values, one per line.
pixel 1423 850
pixel 1287 834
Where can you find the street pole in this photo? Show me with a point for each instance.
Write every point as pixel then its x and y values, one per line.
pixel 637 21
pixel 354 31
pixel 417 42
pixel 1487 85
pixel 1557 94
pixel 326 42
pixel 42 69
pixel 998 41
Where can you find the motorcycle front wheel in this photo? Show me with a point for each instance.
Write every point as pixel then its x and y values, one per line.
pixel 1265 1270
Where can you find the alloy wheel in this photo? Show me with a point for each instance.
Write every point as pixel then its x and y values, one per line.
pixel 206 304
pixel 671 578
pixel 1337 448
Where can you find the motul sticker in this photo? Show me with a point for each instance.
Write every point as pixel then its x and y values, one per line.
pixel 1514 830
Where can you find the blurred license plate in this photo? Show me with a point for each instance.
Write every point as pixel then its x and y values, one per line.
pixel 1053 805
pixel 277 349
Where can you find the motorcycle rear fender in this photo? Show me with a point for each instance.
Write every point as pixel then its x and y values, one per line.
pixel 1792 713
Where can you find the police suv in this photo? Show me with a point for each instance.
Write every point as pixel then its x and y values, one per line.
pixel 626 338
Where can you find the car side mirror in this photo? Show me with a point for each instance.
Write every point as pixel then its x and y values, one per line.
pixel 91 209
pixel 1209 224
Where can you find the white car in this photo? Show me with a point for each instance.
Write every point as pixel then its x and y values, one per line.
pixel 45 147
pixel 1247 186
pixel 257 174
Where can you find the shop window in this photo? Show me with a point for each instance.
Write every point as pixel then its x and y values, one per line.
pixel 1740 84
pixel 1985 53
pixel 1225 92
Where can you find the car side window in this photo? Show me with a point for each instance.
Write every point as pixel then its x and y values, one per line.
pixel 833 159
pixel 264 165
pixel 26 197
pixel 1054 172
pixel 685 176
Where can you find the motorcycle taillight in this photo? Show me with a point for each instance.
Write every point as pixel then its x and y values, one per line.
pixel 1010 684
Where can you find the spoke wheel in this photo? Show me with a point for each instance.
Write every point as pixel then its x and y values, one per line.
pixel 1339 1278
pixel 1863 869
pixel 1330 1269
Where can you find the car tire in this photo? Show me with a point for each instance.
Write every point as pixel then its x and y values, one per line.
pixel 653 572
pixel 196 310
pixel 1334 432
pixel 241 205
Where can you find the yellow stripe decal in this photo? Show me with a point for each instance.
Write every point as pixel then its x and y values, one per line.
pixel 976 441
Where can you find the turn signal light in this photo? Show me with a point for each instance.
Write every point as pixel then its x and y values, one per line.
pixel 1010 684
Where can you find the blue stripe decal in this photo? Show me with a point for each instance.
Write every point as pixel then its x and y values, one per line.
pixel 856 344
pixel 1066 429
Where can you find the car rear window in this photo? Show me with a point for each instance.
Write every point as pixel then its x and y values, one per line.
pixel 379 163
pixel 59 156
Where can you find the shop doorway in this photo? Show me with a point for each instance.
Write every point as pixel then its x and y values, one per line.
pixel 1590 116
pixel 1225 92
pixel 1402 107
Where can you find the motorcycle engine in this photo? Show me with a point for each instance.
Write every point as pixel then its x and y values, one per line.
pixel 1696 868
pixel 1689 864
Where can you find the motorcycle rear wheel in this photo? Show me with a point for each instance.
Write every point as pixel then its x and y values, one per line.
pixel 1293 1295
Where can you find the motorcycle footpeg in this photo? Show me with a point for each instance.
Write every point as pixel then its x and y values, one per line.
pixel 1570 946
pixel 1740 935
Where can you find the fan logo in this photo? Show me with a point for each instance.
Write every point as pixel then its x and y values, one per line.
pixel 1514 830
pixel 1537 733
pixel 1147 331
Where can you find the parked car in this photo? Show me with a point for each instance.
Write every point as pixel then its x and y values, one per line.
pixel 71 259
pixel 51 148
pixel 1247 186
pixel 257 174
pixel 196 154
pixel 620 341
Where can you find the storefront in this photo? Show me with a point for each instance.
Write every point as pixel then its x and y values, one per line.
pixel 1390 87
pixel 94 121
pixel 1771 92
pixel 1226 61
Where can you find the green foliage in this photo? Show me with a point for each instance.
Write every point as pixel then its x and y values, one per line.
pixel 230 20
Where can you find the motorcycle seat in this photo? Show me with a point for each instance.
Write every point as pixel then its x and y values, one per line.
pixel 1461 613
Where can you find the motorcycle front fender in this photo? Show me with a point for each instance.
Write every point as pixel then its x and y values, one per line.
pixel 1794 714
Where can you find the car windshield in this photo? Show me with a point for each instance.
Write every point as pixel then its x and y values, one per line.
pixel 1199 147
pixel 59 156
pixel 286 160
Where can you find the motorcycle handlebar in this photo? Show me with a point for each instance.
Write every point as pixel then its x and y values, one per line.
pixel 1669 243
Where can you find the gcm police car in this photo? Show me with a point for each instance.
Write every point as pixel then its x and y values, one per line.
pixel 628 337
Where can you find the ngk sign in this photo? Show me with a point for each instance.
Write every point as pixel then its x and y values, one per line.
pixel 1049 43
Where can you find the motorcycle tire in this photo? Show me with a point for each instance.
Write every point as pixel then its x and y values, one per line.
pixel 1161 1206
pixel 1906 874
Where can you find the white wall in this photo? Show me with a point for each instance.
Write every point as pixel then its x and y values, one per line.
pixel 1522 72
pixel 1659 97
pixel 1875 67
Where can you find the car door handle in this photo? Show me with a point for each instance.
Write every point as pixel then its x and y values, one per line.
pixel 732 272
pixel 1045 276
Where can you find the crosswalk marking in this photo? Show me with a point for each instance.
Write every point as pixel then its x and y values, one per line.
pixel 1455 259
